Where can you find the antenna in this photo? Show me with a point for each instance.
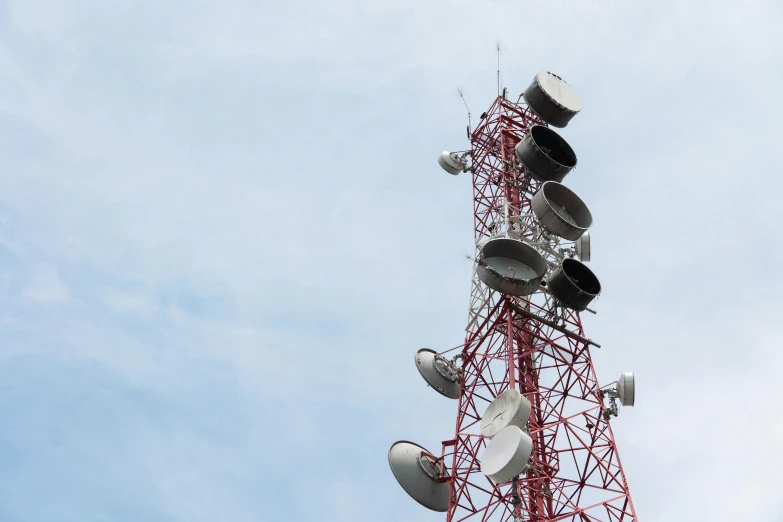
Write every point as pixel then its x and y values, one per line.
pixel 497 46
pixel 574 285
pixel 511 266
pixel 443 375
pixel 462 95
pixel 510 408
pixel 561 211
pixel 625 392
pixel 545 154
pixel 525 362
pixel 583 247
pixel 451 162
pixel 507 455
pixel 552 99
pixel 420 474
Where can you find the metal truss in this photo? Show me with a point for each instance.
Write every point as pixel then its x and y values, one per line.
pixel 538 347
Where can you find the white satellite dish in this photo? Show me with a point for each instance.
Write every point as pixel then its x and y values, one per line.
pixel 439 372
pixel 451 162
pixel 510 408
pixel 583 247
pixel 626 389
pixel 507 455
pixel 561 211
pixel 420 475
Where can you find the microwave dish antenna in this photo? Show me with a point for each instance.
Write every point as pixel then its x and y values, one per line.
pixel 626 389
pixel 510 408
pixel 574 285
pixel 552 99
pixel 582 247
pixel 442 374
pixel 451 162
pixel 507 455
pixel 545 154
pixel 561 211
pixel 420 474
pixel 511 266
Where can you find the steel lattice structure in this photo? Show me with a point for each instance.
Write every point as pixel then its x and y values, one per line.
pixel 536 346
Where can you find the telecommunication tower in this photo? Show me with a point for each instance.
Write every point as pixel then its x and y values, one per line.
pixel 533 440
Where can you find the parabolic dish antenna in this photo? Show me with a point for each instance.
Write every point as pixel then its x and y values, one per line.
pixel 574 284
pixel 450 162
pixel 583 247
pixel 545 154
pixel 418 473
pixel 507 455
pixel 626 389
pixel 439 372
pixel 511 267
pixel 510 408
pixel 561 211
pixel 552 99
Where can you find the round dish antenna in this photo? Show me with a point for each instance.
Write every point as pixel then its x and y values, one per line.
pixel 510 408
pixel 420 474
pixel 511 267
pixel 507 455
pixel 626 389
pixel 552 99
pixel 574 284
pixel 440 373
pixel 625 392
pixel 546 154
pixel 561 211
pixel 451 162
pixel 583 247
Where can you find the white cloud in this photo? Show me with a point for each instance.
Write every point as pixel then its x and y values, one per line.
pixel 130 303
pixel 46 287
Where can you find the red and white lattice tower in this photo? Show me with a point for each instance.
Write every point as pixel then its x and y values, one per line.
pixel 524 333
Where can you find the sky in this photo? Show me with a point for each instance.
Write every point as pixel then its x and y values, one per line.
pixel 224 235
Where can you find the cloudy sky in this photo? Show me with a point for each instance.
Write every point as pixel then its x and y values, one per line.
pixel 223 236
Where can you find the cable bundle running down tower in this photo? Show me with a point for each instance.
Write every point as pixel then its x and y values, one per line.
pixel 533 440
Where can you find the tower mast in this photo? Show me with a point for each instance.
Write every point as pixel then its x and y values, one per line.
pixel 533 440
